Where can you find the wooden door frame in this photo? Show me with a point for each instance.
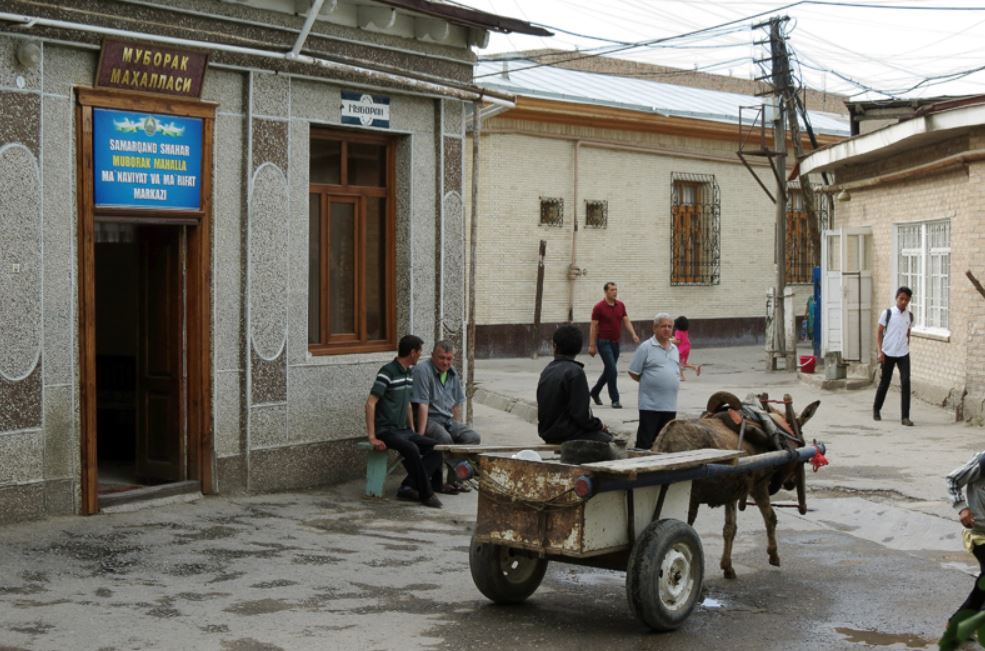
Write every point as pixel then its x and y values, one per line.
pixel 198 351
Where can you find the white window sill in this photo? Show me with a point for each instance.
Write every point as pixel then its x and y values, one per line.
pixel 934 334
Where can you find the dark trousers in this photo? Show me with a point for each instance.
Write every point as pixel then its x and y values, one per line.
pixel 976 599
pixel 609 352
pixel 420 459
pixel 904 381
pixel 651 422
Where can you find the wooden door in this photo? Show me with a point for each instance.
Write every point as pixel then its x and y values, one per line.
pixel 160 397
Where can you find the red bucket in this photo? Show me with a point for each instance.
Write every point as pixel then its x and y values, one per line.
pixel 807 363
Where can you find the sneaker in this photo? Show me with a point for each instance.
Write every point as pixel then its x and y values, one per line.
pixel 907 422
pixel 408 494
pixel 596 399
pixel 432 502
pixel 616 405
pixel 876 416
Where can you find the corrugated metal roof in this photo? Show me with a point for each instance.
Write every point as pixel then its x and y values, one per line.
pixel 634 94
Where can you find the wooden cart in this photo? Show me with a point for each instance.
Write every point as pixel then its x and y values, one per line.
pixel 628 514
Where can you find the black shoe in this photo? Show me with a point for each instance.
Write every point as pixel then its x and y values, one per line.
pixel 448 489
pixel 596 399
pixel 432 502
pixel 616 405
pixel 408 494
pixel 907 422
pixel 876 416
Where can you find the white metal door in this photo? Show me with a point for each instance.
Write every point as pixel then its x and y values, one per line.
pixel 846 293
pixel 856 282
pixel 831 322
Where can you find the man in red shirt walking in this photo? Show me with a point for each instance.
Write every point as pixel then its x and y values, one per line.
pixel 608 318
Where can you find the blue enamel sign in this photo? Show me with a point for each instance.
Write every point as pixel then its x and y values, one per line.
pixel 146 160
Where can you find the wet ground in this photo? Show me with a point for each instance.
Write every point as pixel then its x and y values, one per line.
pixel 876 563
pixel 329 570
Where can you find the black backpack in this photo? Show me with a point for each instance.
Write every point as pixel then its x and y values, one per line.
pixel 889 313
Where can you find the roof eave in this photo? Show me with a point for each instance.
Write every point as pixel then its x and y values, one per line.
pixel 895 136
pixel 469 17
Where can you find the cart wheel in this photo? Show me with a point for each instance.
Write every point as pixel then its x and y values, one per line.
pixel 665 572
pixel 503 574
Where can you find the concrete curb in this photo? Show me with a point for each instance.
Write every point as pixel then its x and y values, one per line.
pixel 527 410
pixel 818 381
pixel 523 409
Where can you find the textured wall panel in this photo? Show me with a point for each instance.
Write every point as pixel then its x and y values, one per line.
pixel 20 262
pixel 230 272
pixel 268 261
pixel 59 210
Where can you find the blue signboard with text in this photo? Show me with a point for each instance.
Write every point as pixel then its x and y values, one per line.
pixel 146 160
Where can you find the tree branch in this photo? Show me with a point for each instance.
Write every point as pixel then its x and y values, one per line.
pixel 974 281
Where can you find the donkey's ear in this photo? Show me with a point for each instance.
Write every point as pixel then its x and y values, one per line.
pixel 808 412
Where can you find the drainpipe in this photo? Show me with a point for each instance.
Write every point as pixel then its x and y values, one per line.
pixel 574 271
pixel 473 235
pixel 308 23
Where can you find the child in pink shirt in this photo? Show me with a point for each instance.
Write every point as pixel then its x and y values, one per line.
pixel 684 345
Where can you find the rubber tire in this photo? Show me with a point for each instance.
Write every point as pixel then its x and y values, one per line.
pixel 665 574
pixel 503 574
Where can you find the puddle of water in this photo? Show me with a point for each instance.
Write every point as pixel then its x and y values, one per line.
pixel 878 638
pixel 711 602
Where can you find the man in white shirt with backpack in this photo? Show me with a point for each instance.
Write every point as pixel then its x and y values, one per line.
pixel 893 337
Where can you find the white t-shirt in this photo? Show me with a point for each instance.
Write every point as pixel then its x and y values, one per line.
pixel 895 343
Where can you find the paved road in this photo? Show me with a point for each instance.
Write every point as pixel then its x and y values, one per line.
pixel 875 564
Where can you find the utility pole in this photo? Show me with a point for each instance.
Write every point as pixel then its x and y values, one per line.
pixel 788 108
pixel 781 89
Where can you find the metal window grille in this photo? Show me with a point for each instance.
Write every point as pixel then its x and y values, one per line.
pixel 802 248
pixel 923 264
pixel 596 214
pixel 694 236
pixel 551 211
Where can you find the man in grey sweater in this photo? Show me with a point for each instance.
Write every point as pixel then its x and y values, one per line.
pixel 966 486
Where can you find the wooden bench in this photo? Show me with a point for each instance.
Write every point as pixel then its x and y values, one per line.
pixel 378 467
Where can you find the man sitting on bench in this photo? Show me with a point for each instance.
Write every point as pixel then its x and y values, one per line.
pixel 437 399
pixel 563 411
pixel 388 417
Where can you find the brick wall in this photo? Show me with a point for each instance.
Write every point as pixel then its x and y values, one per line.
pixel 518 166
pixel 943 369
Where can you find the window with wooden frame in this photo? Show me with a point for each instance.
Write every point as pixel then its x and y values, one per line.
pixel 694 237
pixel 551 211
pixel 351 277
pixel 802 242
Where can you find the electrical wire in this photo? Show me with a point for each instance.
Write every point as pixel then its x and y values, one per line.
pixel 649 42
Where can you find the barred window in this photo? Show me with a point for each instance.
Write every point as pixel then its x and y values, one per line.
pixel 801 241
pixel 551 211
pixel 695 210
pixel 596 214
pixel 924 261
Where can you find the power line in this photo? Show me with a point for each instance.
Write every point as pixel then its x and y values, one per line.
pixel 653 41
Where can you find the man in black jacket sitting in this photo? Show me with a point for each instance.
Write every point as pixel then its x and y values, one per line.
pixel 563 412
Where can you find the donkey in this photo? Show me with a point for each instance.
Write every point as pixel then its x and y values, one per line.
pixel 721 427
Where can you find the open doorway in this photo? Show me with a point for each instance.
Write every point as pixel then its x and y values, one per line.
pixel 145 301
pixel 141 400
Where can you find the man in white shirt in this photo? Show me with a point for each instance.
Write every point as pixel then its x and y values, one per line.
pixel 656 366
pixel 893 337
